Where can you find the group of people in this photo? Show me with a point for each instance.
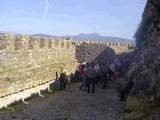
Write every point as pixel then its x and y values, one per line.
pixel 91 73
pixel 62 79
pixel 87 76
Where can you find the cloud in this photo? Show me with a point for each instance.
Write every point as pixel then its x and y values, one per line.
pixel 46 8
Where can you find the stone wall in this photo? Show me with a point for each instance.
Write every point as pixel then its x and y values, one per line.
pixel 27 62
pixel 101 51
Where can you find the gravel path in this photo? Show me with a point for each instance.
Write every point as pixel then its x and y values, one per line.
pixel 70 104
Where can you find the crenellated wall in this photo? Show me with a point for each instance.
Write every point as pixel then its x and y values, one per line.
pixel 91 51
pixel 27 62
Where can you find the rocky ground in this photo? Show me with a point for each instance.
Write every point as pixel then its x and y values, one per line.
pixel 70 104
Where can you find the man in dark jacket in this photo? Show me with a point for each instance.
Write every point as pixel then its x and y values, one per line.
pixel 91 78
pixel 63 79
pixel 124 93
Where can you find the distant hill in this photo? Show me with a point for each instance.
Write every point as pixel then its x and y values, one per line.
pixel 43 36
pixel 2 33
pixel 83 37
pixel 97 37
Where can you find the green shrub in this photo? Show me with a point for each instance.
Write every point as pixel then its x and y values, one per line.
pixel 53 90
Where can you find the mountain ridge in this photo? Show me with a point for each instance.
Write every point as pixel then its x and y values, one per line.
pixel 84 37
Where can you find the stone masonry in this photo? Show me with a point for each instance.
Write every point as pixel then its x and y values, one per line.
pixel 26 63
pixel 91 51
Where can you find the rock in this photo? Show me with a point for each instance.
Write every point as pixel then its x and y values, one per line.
pixel 135 116
pixel 134 104
pixel 146 62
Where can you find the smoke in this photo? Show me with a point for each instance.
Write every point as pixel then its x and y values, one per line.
pixel 45 10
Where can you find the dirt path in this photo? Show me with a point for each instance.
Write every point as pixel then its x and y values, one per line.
pixel 71 104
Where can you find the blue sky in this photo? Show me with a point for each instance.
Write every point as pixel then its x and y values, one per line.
pixel 118 18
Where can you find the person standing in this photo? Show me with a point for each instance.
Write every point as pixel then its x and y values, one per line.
pixel 91 78
pixel 97 70
pixel 62 79
pixel 113 69
pixel 81 71
pixel 126 90
pixel 84 79
pixel 106 76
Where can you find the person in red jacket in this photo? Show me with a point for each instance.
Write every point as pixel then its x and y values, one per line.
pixel 81 71
pixel 83 76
